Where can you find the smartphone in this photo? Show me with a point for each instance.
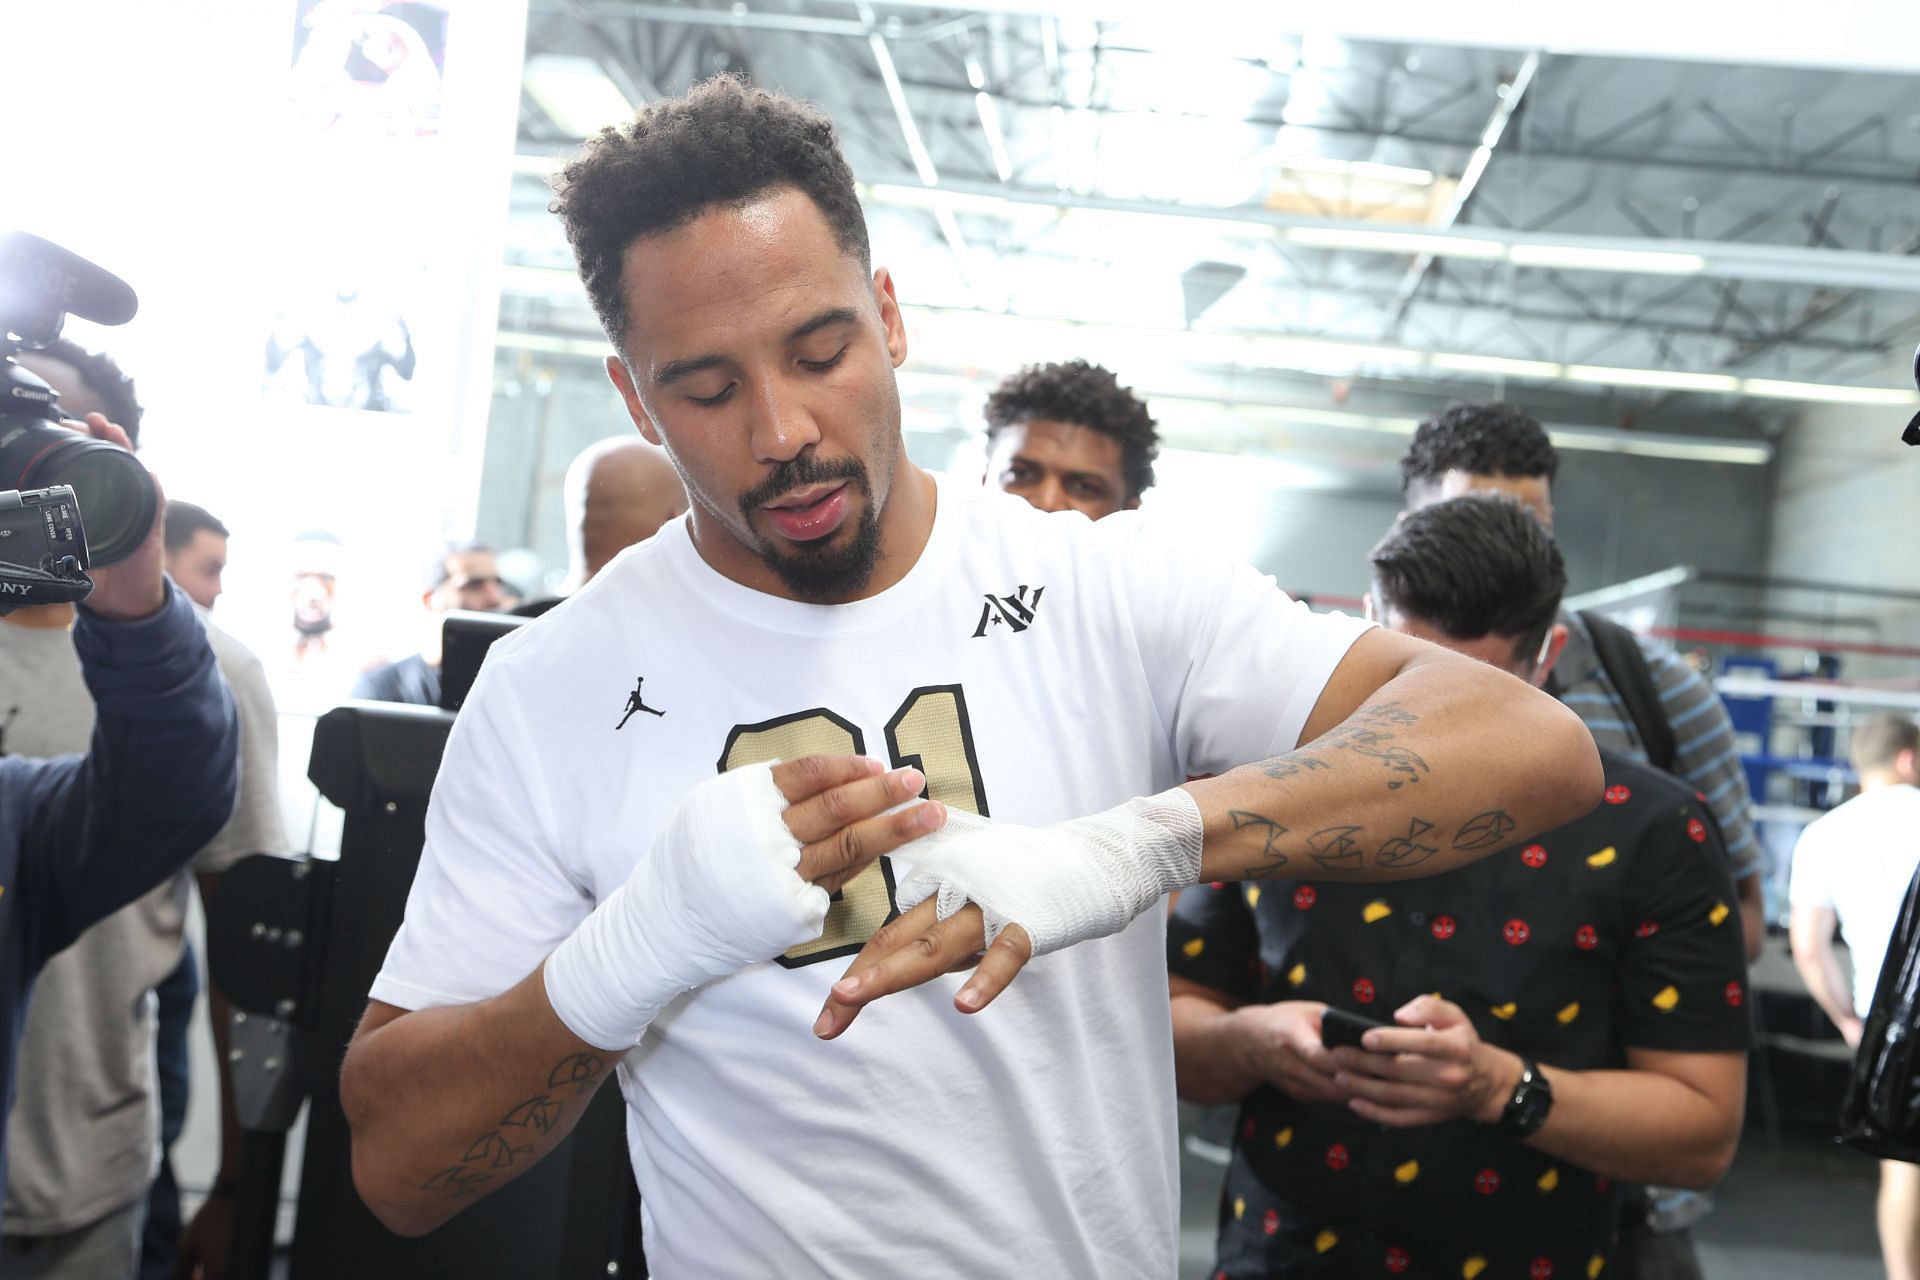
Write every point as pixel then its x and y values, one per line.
pixel 1339 1028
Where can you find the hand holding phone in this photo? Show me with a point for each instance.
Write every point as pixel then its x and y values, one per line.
pixel 1340 1029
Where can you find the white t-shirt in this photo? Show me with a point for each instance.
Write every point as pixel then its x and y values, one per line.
pixel 1858 860
pixel 1035 667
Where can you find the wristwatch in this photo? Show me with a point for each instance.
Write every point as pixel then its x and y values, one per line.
pixel 1532 1099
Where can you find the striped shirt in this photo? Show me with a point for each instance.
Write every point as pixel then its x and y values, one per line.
pixel 1704 751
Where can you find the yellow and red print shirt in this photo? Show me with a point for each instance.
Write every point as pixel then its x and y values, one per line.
pixel 1618 930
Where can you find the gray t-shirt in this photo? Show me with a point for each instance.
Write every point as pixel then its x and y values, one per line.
pixel 83 1136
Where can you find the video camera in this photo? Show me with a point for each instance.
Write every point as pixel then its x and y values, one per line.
pixel 48 473
pixel 43 549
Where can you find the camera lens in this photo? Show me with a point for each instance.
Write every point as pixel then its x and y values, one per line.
pixel 115 493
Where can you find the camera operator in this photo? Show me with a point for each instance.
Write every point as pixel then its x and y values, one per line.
pixel 81 836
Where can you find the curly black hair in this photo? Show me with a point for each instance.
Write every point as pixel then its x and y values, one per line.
pixel 724 142
pixel 1473 566
pixel 1496 439
pixel 104 378
pixel 1086 395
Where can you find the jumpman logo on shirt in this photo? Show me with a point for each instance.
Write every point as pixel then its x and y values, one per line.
pixel 636 703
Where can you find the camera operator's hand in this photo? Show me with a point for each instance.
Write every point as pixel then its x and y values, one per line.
pixel 136 587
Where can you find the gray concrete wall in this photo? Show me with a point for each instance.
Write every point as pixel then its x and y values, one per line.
pixel 1846 510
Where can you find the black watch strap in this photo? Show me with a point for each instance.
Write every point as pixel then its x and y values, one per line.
pixel 1532 1098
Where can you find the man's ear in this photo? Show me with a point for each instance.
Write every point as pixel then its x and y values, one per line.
pixel 1556 645
pixel 890 317
pixel 1905 765
pixel 630 396
pixel 1131 504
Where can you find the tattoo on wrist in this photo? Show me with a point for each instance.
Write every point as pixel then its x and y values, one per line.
pixel 521 1130
pixel 1271 859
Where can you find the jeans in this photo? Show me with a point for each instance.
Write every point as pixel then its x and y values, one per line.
pixel 160 1242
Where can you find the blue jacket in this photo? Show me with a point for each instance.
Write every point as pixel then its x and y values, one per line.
pixel 82 836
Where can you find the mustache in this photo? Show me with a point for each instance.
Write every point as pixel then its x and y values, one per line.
pixel 803 470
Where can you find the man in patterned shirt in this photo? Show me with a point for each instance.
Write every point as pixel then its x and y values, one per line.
pixel 1469 448
pixel 1569 1011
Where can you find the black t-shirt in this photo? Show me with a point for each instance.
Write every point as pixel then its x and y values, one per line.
pixel 1620 929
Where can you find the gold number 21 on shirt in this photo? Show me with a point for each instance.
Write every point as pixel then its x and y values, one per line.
pixel 930 732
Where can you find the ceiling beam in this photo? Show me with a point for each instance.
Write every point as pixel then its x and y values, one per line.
pixel 1784 264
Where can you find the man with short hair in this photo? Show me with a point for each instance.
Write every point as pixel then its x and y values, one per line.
pixel 617 493
pixel 1638 698
pixel 1569 1012
pixel 196 551
pixel 1852 866
pixel 1501 448
pixel 1069 437
pixel 674 894
pixel 463 577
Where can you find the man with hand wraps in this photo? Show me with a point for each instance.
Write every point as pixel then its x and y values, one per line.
pixel 667 903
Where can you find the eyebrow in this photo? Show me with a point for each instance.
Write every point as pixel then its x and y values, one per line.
pixel 674 370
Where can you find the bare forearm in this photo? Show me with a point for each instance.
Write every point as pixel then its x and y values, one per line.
pixel 1634 1126
pixel 1820 969
pixel 1209 1064
pixel 448 1104
pixel 1445 763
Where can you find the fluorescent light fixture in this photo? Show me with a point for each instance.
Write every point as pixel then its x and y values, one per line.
pixel 1368 169
pixel 521 278
pixel 1581 258
pixel 537 166
pixel 1829 393
pixel 1680 448
pixel 922 162
pixel 1501 366
pixel 951 230
pixel 575 93
pixel 1409 242
pixel 996 138
pixel 1660 379
pixel 553 344
pixel 1476 168
pixel 1295 353
pixel 976 74
pixel 939 198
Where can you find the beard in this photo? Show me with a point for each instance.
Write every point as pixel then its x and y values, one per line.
pixel 820 572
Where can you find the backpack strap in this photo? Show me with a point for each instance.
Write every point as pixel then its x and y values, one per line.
pixel 1626 665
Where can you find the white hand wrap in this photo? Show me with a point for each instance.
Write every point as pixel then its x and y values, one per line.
pixel 1065 883
pixel 716 893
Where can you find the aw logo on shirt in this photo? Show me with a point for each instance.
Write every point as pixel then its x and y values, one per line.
pixel 1015 612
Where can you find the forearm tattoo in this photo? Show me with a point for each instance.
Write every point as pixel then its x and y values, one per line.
pixel 1271 859
pixel 521 1130
pixel 1342 848
pixel 1368 732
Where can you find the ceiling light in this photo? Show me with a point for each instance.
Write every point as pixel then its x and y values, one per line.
pixel 1409 242
pixel 1681 448
pixel 922 162
pixel 939 198
pixel 1501 366
pixel 575 93
pixel 1660 379
pixel 1834 394
pixel 996 137
pixel 1360 169
pixel 1581 258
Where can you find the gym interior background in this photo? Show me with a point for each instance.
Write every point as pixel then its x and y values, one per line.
pixel 1691 248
